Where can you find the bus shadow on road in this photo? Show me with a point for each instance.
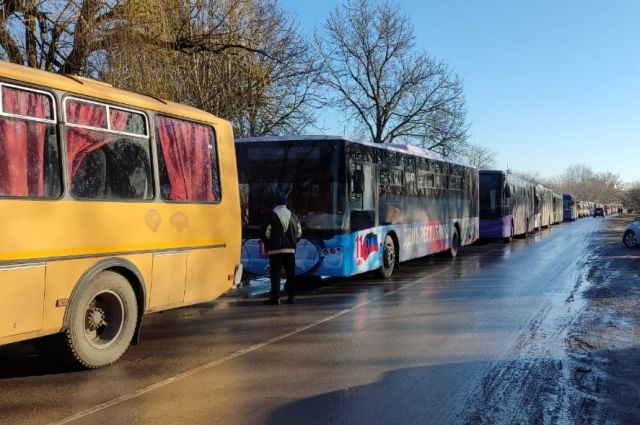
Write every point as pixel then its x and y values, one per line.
pixel 21 360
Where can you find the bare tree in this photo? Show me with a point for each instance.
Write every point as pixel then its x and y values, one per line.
pixel 585 184
pixel 246 61
pixel 631 196
pixel 533 177
pixel 477 156
pixel 56 35
pixel 384 84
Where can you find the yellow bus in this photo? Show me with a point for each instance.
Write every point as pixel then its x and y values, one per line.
pixel 112 205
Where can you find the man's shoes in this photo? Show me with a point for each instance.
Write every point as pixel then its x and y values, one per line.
pixel 272 301
pixel 289 300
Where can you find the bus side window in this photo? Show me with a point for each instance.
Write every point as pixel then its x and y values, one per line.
pixel 187 155
pixel 89 180
pixel 29 160
pixel 358 181
pixel 129 170
pixel 361 220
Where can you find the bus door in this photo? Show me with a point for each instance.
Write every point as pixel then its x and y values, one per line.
pixel 508 193
pixel 364 197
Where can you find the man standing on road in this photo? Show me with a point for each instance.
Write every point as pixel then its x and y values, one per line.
pixel 280 234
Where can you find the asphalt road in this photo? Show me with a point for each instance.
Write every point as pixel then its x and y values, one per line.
pixel 418 348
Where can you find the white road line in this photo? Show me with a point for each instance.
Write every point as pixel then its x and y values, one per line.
pixel 186 374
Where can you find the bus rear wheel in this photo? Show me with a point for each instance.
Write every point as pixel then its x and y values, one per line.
pixel 509 238
pixel 388 257
pixel 455 244
pixel 629 239
pixel 102 321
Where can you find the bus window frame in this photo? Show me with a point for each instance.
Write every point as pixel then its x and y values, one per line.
pixel 108 117
pixel 62 139
pixel 158 152
pixel 54 120
pixel 26 88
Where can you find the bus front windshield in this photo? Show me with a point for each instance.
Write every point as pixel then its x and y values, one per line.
pixel 308 171
pixel 491 185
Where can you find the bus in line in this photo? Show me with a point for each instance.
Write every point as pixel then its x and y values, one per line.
pixel 363 206
pixel 570 207
pixel 558 208
pixel 112 205
pixel 543 207
pixel 507 205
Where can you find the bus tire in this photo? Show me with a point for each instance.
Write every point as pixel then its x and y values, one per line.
pixel 388 257
pixel 629 239
pixel 102 320
pixel 509 238
pixel 455 243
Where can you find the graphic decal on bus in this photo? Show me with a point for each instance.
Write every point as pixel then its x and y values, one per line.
pixel 432 234
pixel 365 246
pixel 309 257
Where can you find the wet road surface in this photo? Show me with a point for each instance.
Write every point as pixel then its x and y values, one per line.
pixel 419 348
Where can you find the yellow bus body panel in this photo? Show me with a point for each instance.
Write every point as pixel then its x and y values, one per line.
pixel 184 253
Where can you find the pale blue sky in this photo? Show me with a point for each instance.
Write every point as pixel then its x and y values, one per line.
pixel 549 83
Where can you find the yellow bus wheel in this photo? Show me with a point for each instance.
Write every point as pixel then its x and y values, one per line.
pixel 102 321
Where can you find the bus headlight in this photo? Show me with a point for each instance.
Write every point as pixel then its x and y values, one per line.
pixel 331 251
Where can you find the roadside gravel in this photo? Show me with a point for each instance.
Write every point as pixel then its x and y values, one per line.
pixel 604 341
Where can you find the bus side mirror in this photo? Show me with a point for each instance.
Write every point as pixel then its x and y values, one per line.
pixel 358 181
pixel 507 192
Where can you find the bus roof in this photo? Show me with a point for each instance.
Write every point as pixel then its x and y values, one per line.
pixel 493 172
pixel 410 149
pixel 98 90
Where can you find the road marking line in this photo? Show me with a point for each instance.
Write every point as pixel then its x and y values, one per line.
pixel 235 354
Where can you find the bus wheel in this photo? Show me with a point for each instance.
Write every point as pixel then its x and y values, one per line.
pixel 629 239
pixel 102 321
pixel 509 238
pixel 388 257
pixel 455 243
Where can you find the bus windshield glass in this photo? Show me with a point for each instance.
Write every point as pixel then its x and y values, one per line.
pixel 307 170
pixel 490 195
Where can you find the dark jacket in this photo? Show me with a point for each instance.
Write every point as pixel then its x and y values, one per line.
pixel 276 239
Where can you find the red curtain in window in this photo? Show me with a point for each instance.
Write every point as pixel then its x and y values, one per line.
pixel 119 119
pixel 187 156
pixel 80 142
pixel 22 144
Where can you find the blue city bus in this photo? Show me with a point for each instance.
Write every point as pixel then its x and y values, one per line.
pixel 363 206
pixel 507 205
pixel 569 207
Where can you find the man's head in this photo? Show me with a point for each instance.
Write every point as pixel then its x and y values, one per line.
pixel 282 198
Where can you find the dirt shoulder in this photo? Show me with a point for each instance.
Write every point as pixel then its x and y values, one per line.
pixel 604 340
